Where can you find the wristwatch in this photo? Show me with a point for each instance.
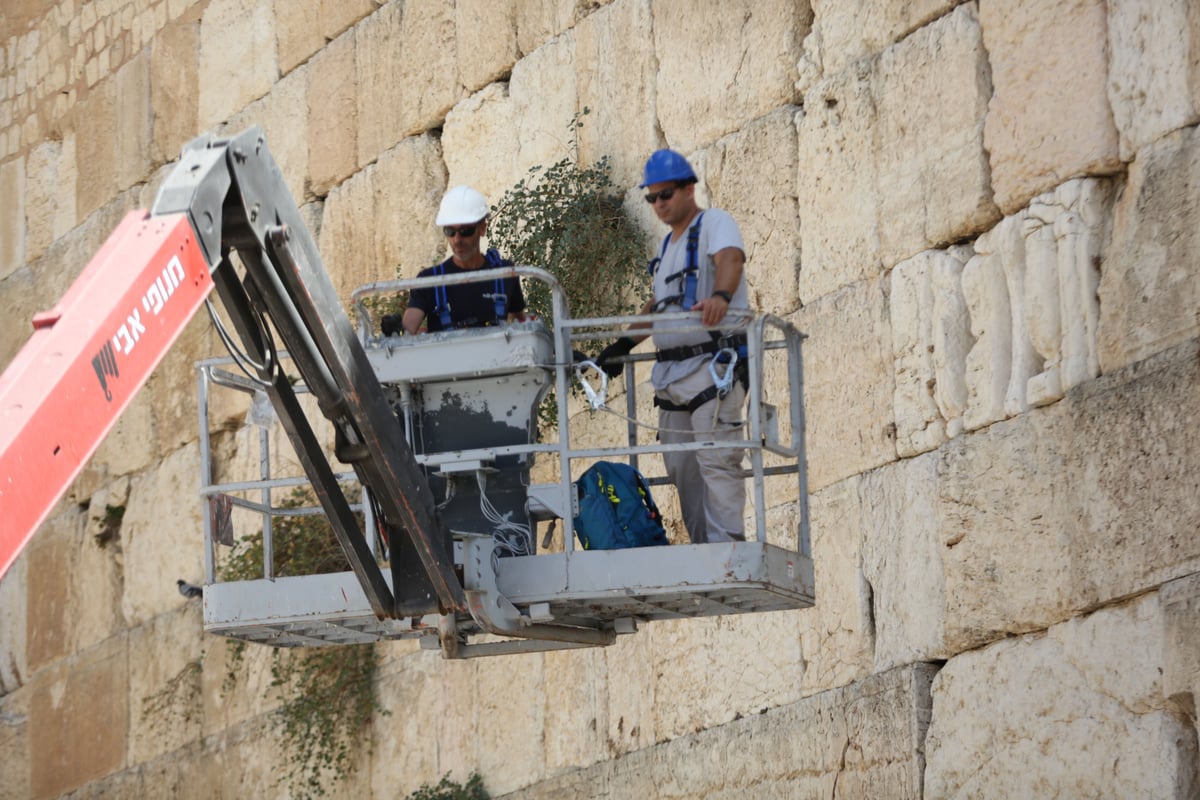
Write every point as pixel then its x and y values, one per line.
pixel 726 296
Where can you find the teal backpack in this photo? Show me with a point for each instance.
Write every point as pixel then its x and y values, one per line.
pixel 616 509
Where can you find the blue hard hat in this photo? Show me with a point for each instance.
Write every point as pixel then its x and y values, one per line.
pixel 667 165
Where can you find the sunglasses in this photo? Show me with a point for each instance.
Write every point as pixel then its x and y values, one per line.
pixel 665 194
pixel 465 231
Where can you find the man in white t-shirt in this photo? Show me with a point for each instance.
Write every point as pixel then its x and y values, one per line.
pixel 712 492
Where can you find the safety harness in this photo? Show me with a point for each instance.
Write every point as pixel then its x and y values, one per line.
pixel 500 299
pixel 729 351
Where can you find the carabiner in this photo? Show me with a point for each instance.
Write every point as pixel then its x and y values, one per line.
pixel 596 399
pixel 727 357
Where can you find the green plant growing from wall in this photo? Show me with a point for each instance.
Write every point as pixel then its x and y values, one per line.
pixel 447 789
pixel 327 693
pixel 569 219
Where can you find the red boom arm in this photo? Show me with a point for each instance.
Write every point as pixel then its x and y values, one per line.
pixel 87 358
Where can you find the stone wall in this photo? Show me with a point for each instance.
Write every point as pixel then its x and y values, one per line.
pixel 982 214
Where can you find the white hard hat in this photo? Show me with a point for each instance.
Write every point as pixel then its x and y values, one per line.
pixel 462 205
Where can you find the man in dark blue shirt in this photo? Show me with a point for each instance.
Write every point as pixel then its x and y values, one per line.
pixel 463 219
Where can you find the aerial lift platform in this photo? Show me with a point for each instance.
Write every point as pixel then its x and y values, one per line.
pixel 437 434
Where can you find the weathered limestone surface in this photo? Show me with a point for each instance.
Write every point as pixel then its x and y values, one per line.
pixel 175 71
pixel 1039 130
pixel 866 740
pixel 755 169
pixel 1152 70
pixel 78 719
pixel 49 196
pixel 14 741
pixel 396 41
pixel 839 219
pixel 486 37
pixel 1077 711
pixel 332 120
pixel 545 98
pixel 238 57
pixel 847 31
pixel 849 383
pixel 931 93
pixel 480 142
pixel 12 226
pixel 1148 287
pixel 1075 506
pixel 837 635
pixel 165 682
pixel 161 537
pixel 746 71
pixel 1180 601
pixel 113 148
pixel 304 27
pixel 14 651
pixel 614 72
pixel 379 224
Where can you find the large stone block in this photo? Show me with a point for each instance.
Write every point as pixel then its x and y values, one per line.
pixel 379 224
pixel 47 173
pixel 614 71
pixel 406 740
pixel 174 88
pixel 497 682
pixel 238 57
pixel 539 21
pixel 113 135
pixel 286 129
pixel 418 44
pixel 14 746
pixel 931 92
pixel 869 737
pixel 332 115
pixel 849 383
pixel 1148 287
pixel 712 670
pixel 839 215
pixel 902 553
pixel 1180 603
pixel 1134 464
pixel 575 693
pixel 306 26
pixel 1071 506
pixel 14 652
pixel 1152 74
pixel 545 98
pixel 838 634
pixel 1077 711
pixel 1049 117
pixel 46 605
pixel 851 30
pixel 480 143
pixel 751 174
pixel 79 720
pixel 12 221
pixel 157 553
pixel 486 36
pixel 165 682
pixel 717 71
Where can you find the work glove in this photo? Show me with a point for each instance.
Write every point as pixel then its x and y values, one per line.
pixel 392 324
pixel 621 347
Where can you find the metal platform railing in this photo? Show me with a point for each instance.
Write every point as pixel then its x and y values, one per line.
pixel 561 596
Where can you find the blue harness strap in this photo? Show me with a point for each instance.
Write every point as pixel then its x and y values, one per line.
pixel 498 296
pixel 688 275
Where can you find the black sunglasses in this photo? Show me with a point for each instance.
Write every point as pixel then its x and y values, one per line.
pixel 465 231
pixel 665 194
